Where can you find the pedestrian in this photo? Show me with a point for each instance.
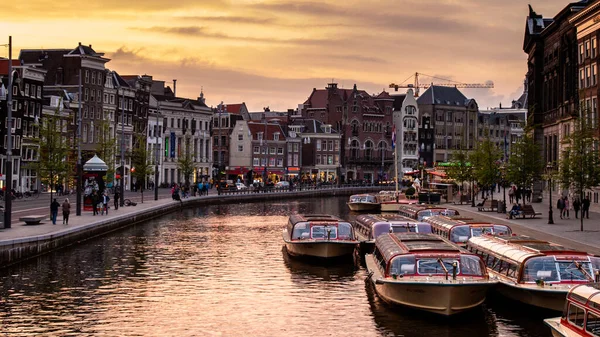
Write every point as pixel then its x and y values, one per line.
pixel 105 200
pixel 560 204
pixel 567 207
pixel 576 206
pixel 585 207
pixel 95 203
pixel 117 195
pixel 66 208
pixel 511 194
pixel 54 211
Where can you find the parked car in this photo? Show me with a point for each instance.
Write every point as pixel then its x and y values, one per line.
pixel 241 186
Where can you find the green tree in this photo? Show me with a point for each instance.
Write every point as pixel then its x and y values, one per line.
pixel 54 163
pixel 107 150
pixel 579 166
pixel 186 163
pixel 141 167
pixel 525 164
pixel 485 160
pixel 460 168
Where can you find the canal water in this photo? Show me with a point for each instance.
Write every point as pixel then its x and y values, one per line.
pixel 221 271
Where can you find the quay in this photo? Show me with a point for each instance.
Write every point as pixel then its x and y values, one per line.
pixel 22 242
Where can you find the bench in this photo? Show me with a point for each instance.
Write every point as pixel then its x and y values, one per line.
pixel 527 211
pixel 488 206
pixel 33 219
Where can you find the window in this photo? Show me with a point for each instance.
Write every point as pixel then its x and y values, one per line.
pixel 85 133
pixel 240 148
pixel 39 91
pixel 240 136
pixel 27 89
pixel 85 112
pixel 130 105
pixel 318 159
pixel 581 78
pixel 594 47
pixel 581 53
pixel 280 150
pixel 329 160
pixel 272 150
pixel 276 136
pixel 100 78
pixel 587 76
pixel 87 76
pixel 318 145
pixel 86 94
pixel 272 162
pixel 92 95
pixel 256 149
pixel 279 162
pixel 594 73
pixel 94 77
pixel 330 145
pixel 255 162
pixel 575 315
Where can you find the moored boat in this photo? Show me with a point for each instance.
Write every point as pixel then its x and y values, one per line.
pixel 363 202
pixel 581 315
pixel 369 226
pixel 319 235
pixel 420 212
pixel 536 272
pixel 390 201
pixel 459 230
pixel 426 272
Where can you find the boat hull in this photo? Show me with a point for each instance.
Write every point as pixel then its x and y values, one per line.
pixel 363 206
pixel 445 298
pixel 319 248
pixel 558 330
pixel 542 297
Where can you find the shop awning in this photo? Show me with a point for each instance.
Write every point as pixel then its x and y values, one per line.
pixel 437 173
pixel 279 173
pixel 237 170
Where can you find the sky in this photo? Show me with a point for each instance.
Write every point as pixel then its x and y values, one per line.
pixel 274 52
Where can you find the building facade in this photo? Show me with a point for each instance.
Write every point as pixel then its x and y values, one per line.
pixel 406 122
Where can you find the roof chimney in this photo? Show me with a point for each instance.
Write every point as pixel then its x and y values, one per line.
pixel 175 87
pixel 80 43
pixel 90 46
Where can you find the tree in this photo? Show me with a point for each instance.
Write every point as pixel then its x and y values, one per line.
pixel 580 164
pixel 186 163
pixel 107 150
pixel 525 164
pixel 141 166
pixel 460 168
pixel 54 163
pixel 485 159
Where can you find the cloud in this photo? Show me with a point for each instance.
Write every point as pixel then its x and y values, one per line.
pixel 230 19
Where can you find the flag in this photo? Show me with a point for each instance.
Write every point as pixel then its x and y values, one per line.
pixel 394 137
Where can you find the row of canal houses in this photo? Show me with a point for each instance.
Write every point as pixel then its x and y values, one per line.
pixel 335 135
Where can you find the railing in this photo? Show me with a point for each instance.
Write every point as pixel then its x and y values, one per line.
pixel 298 187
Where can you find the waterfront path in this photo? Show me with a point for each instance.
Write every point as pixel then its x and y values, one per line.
pixel 564 231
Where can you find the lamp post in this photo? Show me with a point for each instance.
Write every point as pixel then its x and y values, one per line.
pixel 472 186
pixel 157 153
pixel 122 187
pixel 503 182
pixel 79 167
pixel 8 166
pixel 549 169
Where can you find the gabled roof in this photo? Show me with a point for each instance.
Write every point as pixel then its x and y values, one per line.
pixel 85 50
pixel 234 108
pixel 319 98
pixel 269 128
pixel 441 95
pixel 398 100
pixel 311 126
pixel 119 80
pixel 383 95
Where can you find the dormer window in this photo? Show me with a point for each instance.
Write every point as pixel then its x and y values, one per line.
pixel 276 136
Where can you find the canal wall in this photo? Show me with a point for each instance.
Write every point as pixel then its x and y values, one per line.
pixel 20 249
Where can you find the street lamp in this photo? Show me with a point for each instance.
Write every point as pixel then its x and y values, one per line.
pixel 472 187
pixel 549 169
pixel 503 182
pixel 156 155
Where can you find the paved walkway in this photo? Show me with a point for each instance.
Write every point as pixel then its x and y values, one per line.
pixel 564 231
pixel 20 230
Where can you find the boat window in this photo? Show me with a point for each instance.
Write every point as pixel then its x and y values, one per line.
pixel 424 228
pixel 324 232
pixel 592 324
pixel 403 265
pixel 502 230
pixel 301 231
pixel 448 212
pixel 345 231
pixel 512 270
pixel 490 261
pixel 479 231
pixel 471 265
pixel 595 263
pixel 575 315
pixel 569 270
pixel 433 266
pixel 460 234
pixel 424 214
pixel 500 266
pixel 540 269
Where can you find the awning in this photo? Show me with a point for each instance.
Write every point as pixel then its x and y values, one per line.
pixel 279 173
pixel 95 164
pixel 238 170
pixel 293 169
pixel 437 173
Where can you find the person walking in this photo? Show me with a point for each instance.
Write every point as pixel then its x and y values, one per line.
pixel 66 208
pixel 585 207
pixel 576 206
pixel 560 204
pixel 105 200
pixel 95 203
pixel 566 208
pixel 117 196
pixel 54 211
pixel 511 194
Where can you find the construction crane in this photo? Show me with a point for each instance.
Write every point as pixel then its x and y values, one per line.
pixel 417 85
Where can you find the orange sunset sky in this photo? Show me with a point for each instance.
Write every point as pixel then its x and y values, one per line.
pixel 272 53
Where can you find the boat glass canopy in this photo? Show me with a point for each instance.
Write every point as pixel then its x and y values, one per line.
pixel 551 269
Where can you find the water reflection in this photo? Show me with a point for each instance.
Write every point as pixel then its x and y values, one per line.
pixel 219 270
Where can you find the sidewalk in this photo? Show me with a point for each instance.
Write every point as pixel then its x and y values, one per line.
pixel 564 231
pixel 20 230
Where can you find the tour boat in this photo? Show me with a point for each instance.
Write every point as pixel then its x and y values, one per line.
pixel 581 315
pixel 363 202
pixel 535 272
pixel 420 212
pixel 390 201
pixel 459 230
pixel 427 272
pixel 319 235
pixel 369 226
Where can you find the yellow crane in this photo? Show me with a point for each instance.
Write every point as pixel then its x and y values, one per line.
pixel 450 83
